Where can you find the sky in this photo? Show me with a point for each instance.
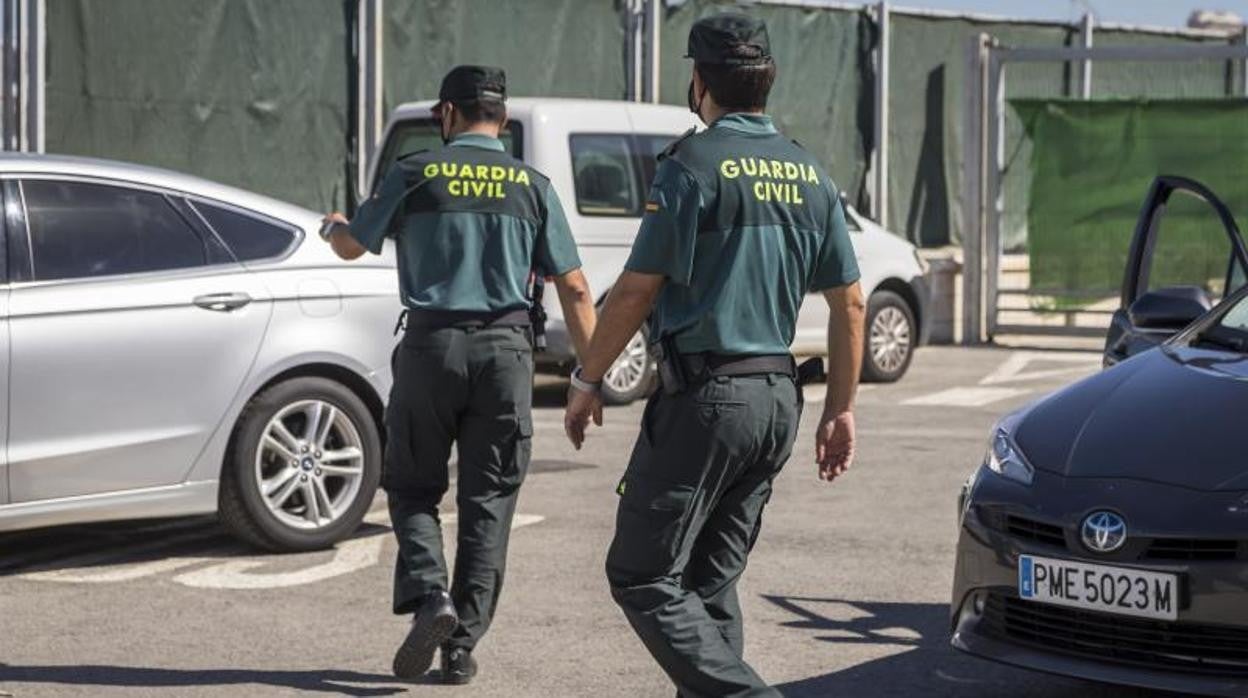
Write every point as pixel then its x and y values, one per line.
pixel 1165 13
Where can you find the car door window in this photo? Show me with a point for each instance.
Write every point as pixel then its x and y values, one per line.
pixel 1191 248
pixel 247 236
pixel 82 230
pixel 604 170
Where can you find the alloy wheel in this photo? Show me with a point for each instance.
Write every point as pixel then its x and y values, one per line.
pixel 889 339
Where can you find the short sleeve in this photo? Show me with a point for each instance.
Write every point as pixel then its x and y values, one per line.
pixel 556 250
pixel 372 220
pixel 669 228
pixel 836 264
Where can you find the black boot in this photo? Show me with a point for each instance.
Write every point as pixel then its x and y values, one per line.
pixel 433 624
pixel 458 666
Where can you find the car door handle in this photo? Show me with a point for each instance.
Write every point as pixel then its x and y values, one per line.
pixel 222 302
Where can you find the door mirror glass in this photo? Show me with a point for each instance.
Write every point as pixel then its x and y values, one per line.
pixel 1170 308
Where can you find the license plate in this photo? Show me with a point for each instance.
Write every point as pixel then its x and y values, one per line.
pixel 1120 590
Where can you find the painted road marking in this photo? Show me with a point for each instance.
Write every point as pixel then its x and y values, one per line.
pixel 1011 372
pixel 349 556
pixel 966 397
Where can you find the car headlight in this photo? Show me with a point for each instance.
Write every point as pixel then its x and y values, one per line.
pixel 1004 457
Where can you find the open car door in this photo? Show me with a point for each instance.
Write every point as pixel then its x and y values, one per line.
pixel 1186 256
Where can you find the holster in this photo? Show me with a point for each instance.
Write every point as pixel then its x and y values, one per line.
pixel 672 375
pixel 537 313
pixel 811 371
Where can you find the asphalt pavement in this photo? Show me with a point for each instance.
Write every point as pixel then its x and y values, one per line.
pixel 847 592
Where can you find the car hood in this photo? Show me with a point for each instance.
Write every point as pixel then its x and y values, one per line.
pixel 1170 415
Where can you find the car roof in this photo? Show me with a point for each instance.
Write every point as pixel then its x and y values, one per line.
pixel 93 168
pixel 524 106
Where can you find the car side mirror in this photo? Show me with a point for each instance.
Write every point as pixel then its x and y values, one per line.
pixel 1171 308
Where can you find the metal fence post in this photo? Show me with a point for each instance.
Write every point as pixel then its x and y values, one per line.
pixel 879 154
pixel 652 20
pixel 1085 66
pixel 994 196
pixel 974 110
pixel 34 74
pixel 369 88
pixel 1243 64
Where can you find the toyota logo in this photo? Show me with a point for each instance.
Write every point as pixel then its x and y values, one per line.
pixel 1104 531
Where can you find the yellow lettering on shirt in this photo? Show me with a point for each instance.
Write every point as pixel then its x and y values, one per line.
pixel 476 181
pixel 776 181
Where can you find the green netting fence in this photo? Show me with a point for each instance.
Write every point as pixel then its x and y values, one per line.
pixel 261 93
pixel 1092 163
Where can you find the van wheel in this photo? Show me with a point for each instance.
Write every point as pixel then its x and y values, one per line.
pixel 631 377
pixel 890 338
pixel 302 466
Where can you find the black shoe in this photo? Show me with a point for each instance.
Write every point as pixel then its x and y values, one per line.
pixel 433 624
pixel 458 666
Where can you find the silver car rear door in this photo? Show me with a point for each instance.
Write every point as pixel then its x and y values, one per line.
pixel 127 344
pixel 4 356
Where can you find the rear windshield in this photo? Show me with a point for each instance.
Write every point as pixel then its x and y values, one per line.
pixel 613 171
pixel 412 135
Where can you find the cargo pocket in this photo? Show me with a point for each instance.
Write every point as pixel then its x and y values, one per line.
pixel 522 451
pixel 651 525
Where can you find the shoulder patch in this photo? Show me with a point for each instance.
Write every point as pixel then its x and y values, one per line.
pixel 671 149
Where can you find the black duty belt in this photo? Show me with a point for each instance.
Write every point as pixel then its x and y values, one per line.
pixel 426 320
pixel 703 366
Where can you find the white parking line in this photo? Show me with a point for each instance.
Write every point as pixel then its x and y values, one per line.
pixel 966 397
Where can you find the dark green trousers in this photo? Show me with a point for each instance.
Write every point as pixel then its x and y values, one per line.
pixel 472 388
pixel 691 505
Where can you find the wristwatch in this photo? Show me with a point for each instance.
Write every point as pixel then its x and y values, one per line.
pixel 583 385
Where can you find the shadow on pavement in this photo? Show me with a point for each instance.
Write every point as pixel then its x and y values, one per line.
pixel 323 680
pixel 921 663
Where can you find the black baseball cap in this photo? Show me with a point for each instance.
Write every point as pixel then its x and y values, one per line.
pixel 719 39
pixel 467 83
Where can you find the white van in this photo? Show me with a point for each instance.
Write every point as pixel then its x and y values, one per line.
pixel 600 156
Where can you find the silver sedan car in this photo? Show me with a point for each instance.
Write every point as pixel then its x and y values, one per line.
pixel 174 346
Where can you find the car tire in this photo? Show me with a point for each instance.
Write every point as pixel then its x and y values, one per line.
pixel 891 332
pixel 338 467
pixel 631 377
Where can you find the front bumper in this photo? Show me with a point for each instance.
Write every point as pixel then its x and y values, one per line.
pixel 1205 651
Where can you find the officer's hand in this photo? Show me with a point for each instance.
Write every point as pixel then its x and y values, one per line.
pixel 335 217
pixel 834 444
pixel 582 406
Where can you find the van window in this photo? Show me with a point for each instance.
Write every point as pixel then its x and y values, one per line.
pixel 613 171
pixel 412 135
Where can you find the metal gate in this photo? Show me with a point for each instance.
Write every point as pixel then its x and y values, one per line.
pixel 997 298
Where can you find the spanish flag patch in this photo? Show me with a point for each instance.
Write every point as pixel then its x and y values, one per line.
pixel 652 207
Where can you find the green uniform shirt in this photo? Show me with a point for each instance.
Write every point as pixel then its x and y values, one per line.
pixel 470 223
pixel 743 223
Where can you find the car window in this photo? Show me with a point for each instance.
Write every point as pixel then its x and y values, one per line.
pixel 247 236
pixel 1190 248
pixel 80 230
pixel 613 171
pixel 604 170
pixel 413 135
pixel 1237 317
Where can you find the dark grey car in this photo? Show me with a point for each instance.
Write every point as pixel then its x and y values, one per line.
pixel 1106 534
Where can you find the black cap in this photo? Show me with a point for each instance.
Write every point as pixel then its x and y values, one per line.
pixel 473 82
pixel 729 39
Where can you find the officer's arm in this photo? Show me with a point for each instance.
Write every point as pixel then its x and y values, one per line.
pixel 344 245
pixel 578 309
pixel 626 308
pixel 846 310
pixel 367 231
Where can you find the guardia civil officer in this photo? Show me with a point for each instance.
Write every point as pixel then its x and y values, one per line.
pixel 740 224
pixel 470 223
